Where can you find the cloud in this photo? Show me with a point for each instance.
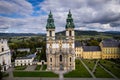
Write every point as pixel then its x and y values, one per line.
pixel 20 7
pixel 26 25
pixel 85 12
pixel 99 15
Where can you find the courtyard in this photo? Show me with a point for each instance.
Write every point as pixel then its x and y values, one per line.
pixel 85 68
pixel 95 69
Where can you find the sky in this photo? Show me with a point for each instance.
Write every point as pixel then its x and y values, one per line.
pixel 30 16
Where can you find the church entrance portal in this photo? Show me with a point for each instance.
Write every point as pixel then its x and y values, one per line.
pixel 61 67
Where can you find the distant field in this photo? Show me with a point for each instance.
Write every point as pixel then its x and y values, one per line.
pixel 84 37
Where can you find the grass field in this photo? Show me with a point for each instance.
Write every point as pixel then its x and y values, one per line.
pixel 38 67
pixel 5 74
pixel 111 67
pixel 90 63
pixel 44 67
pixel 85 37
pixel 100 73
pixel 33 74
pixel 80 71
pixel 20 67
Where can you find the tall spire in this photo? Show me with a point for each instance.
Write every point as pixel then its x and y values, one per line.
pixel 50 22
pixel 69 21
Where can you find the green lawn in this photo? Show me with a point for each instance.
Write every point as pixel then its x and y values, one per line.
pixel 80 71
pixel 5 74
pixel 20 67
pixel 111 67
pixel 90 63
pixel 33 74
pixel 38 67
pixel 44 67
pixel 101 73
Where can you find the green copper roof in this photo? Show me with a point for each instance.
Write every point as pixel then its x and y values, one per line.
pixel 50 22
pixel 69 21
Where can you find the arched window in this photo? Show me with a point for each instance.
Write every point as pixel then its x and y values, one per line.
pixel 50 59
pixel 70 59
pixel 2 49
pixel 50 33
pixel 70 33
pixel 60 57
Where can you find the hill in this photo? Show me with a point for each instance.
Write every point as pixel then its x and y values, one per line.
pixel 77 33
pixel 4 35
pixel 91 33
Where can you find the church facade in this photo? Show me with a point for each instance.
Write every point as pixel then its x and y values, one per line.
pixel 60 52
pixel 5 56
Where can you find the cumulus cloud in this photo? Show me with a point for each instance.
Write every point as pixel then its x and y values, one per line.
pixel 20 7
pixel 86 12
pixel 26 25
pixel 100 15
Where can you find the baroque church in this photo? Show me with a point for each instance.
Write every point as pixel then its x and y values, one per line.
pixel 5 56
pixel 60 53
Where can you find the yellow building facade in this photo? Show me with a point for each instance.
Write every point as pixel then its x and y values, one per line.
pixel 106 50
pixel 110 49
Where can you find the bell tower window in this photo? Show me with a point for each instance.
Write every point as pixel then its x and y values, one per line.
pixel 70 33
pixel 50 33
pixel 60 57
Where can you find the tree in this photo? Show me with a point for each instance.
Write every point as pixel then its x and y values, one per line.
pixel 93 43
pixel 13 56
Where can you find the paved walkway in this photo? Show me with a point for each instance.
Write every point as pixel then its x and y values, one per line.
pixel 41 67
pixel 95 66
pixel 87 68
pixel 90 79
pixel 38 78
pixel 10 72
pixel 30 68
pixel 61 74
pixel 108 71
pixel 113 63
pixel 61 77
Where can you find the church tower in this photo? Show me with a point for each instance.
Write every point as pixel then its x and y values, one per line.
pixel 70 27
pixel 50 27
pixel 60 53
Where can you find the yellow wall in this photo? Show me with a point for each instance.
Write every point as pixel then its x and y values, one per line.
pixel 78 52
pixel 92 54
pixel 110 52
pixel 105 53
